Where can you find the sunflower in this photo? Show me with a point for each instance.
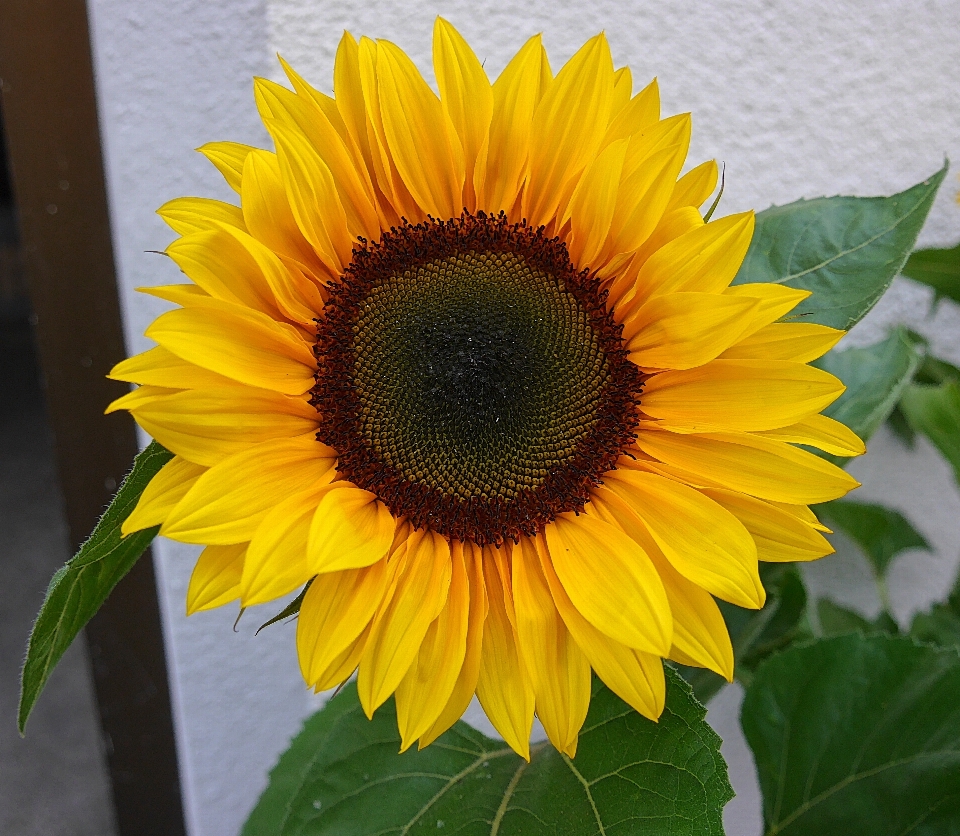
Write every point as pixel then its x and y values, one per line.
pixel 470 369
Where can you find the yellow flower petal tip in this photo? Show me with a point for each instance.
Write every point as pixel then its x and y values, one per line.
pixel 468 362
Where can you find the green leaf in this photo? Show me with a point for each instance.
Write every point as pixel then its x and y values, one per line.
pixel 935 412
pixel 755 634
pixel 938 268
pixel 847 250
pixel 881 533
pixel 78 588
pixel 836 620
pixel 875 377
pixel 857 736
pixel 935 371
pixel 901 428
pixel 941 626
pixel 291 609
pixel 342 775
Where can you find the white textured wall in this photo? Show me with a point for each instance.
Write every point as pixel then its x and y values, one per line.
pixel 799 99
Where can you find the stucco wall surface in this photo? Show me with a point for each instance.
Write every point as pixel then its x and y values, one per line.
pixel 798 99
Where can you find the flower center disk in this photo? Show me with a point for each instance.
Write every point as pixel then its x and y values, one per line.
pixel 471 378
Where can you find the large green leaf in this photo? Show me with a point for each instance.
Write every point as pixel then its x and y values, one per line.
pixel 857 736
pixel 755 634
pixel 78 588
pixel 938 268
pixel 881 533
pixel 875 377
pixel 935 412
pixel 342 775
pixel 846 250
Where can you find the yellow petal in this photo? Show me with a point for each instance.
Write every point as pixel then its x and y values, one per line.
pixel 751 464
pixel 643 198
pixel 267 212
pixel 623 289
pixel 642 111
pixel 345 665
pixel 185 215
pixel 206 426
pixel 515 96
pixel 503 687
pixel 695 186
pixel 703 541
pixel 648 143
pixel 466 95
pixel 699 631
pixel 312 193
pixel 611 581
pixel 348 95
pixel 160 367
pixel 797 341
pixel 336 610
pixel 780 536
pixel 705 259
pixel 802 512
pixel 388 178
pixel 187 295
pixel 684 330
pixel 239 343
pixel 216 577
pixel 745 395
pixel 823 433
pixel 423 693
pixel 622 90
pixel 228 157
pixel 162 494
pixel 307 114
pixel 569 124
pixel 295 298
pixel 634 676
pixel 416 597
pixel 350 529
pixel 466 684
pixel 420 134
pixel 593 202
pixel 138 397
pixel 218 264
pixel 228 503
pixel 277 558
pixel 776 300
pixel 558 669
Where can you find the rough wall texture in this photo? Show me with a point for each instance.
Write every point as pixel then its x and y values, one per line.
pixel 798 100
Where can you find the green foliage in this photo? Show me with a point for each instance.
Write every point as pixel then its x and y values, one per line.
pixel 77 589
pixel 342 775
pixel 836 620
pixel 875 377
pixel 290 610
pixel 847 250
pixel 941 625
pixel 935 412
pixel 881 533
pixel 756 634
pixel 857 736
pixel 938 268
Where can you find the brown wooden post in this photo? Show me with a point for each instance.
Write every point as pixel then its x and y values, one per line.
pixel 49 106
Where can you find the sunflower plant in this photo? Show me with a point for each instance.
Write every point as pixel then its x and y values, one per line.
pixel 476 386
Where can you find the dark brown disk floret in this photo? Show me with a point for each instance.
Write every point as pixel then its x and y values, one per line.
pixel 472 378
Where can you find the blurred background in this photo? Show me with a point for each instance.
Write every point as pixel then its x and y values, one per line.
pixel 155 724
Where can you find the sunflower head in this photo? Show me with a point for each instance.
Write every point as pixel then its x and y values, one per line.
pixel 470 368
